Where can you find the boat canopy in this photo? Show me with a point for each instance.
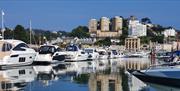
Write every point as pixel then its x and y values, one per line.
pixel 89 50
pixel 72 48
pixel 177 53
pixel 48 49
pixel 114 52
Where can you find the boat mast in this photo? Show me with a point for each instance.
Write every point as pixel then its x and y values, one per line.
pixel 30 30
pixel 2 26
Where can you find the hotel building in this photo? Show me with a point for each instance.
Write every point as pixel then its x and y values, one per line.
pixel 132 44
pixel 136 28
pixel 107 28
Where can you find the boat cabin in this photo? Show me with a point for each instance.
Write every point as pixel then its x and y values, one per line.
pixel 72 48
pixel 48 49
pixel 6 46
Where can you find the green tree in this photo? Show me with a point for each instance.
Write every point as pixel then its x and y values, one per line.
pixel 20 33
pixel 146 20
pixel 159 39
pixel 123 36
pixel 8 33
pixel 144 39
pixel 158 29
pixel 80 32
pixel 104 42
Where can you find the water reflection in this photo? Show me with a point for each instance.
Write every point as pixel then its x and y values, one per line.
pixel 97 75
pixel 105 81
pixel 16 78
pixel 131 63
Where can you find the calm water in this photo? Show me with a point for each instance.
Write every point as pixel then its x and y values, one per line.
pixel 99 75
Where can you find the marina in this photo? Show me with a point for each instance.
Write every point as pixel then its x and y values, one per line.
pixel 86 69
pixel 104 75
pixel 94 45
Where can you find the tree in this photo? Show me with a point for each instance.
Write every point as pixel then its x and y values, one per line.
pixel 63 33
pixel 20 33
pixel 144 39
pixel 146 20
pixel 80 32
pixel 123 36
pixel 158 29
pixel 159 39
pixel 8 33
pixel 125 23
pixel 104 42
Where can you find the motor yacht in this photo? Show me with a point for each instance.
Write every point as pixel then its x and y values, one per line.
pixel 162 54
pixel 15 53
pixel 103 54
pixel 140 54
pixel 92 53
pixel 166 75
pixel 46 52
pixel 73 53
pixel 115 54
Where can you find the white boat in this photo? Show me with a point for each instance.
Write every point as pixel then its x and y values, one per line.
pixel 92 53
pixel 46 53
pixel 15 53
pixel 73 53
pixel 162 54
pixel 103 54
pixel 140 54
pixel 115 54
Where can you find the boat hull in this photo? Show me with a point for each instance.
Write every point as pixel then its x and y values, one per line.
pixel 175 82
pixel 20 60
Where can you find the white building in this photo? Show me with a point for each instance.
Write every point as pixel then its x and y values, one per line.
pixel 137 29
pixel 169 32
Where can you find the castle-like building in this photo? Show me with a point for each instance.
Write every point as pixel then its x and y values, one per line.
pixel 106 27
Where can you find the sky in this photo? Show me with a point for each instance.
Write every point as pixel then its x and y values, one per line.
pixel 67 14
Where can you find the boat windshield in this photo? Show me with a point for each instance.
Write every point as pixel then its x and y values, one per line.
pixel 88 50
pixel 71 48
pixel 114 52
pixel 102 53
pixel 47 49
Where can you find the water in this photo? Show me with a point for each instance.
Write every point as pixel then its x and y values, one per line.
pixel 98 75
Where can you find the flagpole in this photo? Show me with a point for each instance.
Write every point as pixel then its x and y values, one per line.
pixel 30 29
